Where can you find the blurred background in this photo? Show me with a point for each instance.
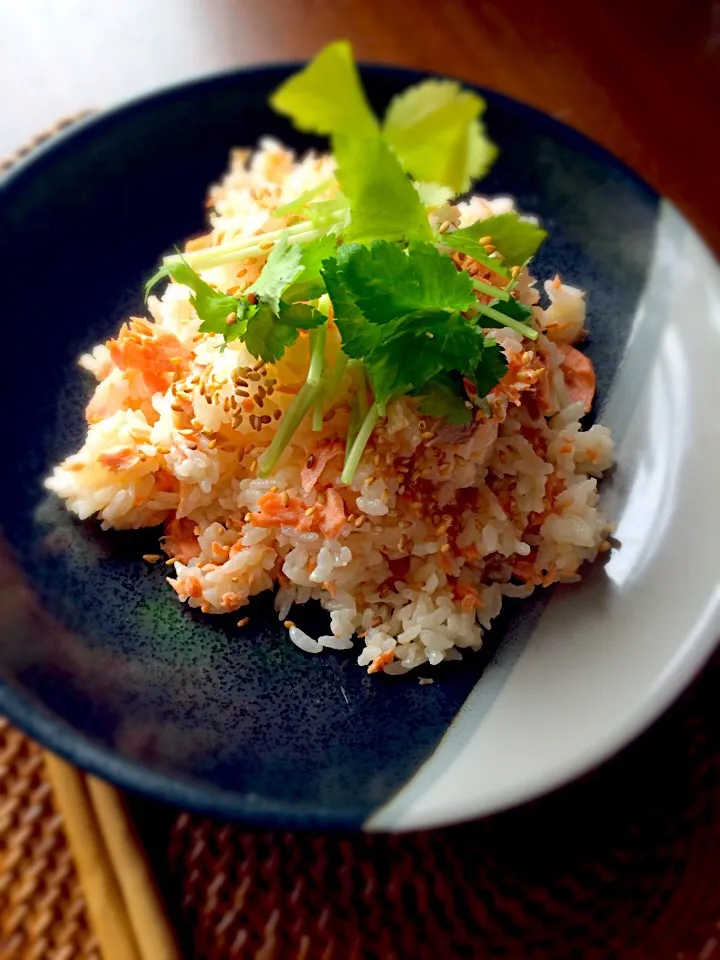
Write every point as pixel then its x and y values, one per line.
pixel 642 78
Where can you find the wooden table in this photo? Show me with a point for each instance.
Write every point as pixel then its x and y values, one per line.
pixel 642 78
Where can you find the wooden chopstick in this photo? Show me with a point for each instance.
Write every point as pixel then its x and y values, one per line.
pixel 102 892
pixel 145 910
pixel 123 904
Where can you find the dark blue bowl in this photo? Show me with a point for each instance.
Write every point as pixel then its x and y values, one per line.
pixel 98 660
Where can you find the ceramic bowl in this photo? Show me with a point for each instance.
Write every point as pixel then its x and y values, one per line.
pixel 100 662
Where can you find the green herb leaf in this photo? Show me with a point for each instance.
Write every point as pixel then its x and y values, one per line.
pixel 292 272
pixel 269 334
pixel 160 274
pixel 434 128
pixel 282 267
pixel 418 347
pixel 384 204
pixel 327 97
pixel 332 214
pixel 515 239
pixel 444 398
pixel 434 195
pixel 308 284
pixel 385 282
pixel 212 306
pixel 493 367
pixel 463 242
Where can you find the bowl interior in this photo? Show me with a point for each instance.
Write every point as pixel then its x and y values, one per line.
pixel 98 659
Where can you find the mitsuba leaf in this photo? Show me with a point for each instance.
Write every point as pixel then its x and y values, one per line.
pixel 326 96
pixel 433 126
pixel 384 205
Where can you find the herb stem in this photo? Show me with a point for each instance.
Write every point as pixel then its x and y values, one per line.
pixel 317 423
pixel 302 199
pixel 504 321
pixel 335 378
pixel 362 392
pixel 317 355
pixel 488 288
pixel 253 246
pixel 359 443
pixel 294 415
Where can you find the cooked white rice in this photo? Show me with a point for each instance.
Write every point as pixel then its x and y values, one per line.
pixel 440 522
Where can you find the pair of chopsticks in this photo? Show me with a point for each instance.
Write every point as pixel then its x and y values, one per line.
pixel 123 904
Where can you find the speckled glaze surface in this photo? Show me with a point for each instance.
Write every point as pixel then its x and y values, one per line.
pixel 98 659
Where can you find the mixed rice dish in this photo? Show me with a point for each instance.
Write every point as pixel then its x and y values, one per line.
pixel 389 424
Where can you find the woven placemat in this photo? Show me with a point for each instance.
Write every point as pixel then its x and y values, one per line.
pixel 42 908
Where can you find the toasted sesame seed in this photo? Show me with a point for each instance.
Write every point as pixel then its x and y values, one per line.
pixel 259 365
pixel 230 318
pixel 483 240
pixel 176 408
pixel 151 557
pixel 369 480
pixel 310 511
pixel 444 227
pixel 254 377
pixel 360 521
pixel 186 432
pixel 445 548
pixel 427 435
pixel 212 444
pixel 244 622
pixel 329 415
pixel 489 248
pixel 242 393
pixel 385 496
pixel 268 245
pixel 191 445
pixel 429 335
pixel 285 498
pixel 170 562
pixel 288 623
pixel 376 621
pixel 515 271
